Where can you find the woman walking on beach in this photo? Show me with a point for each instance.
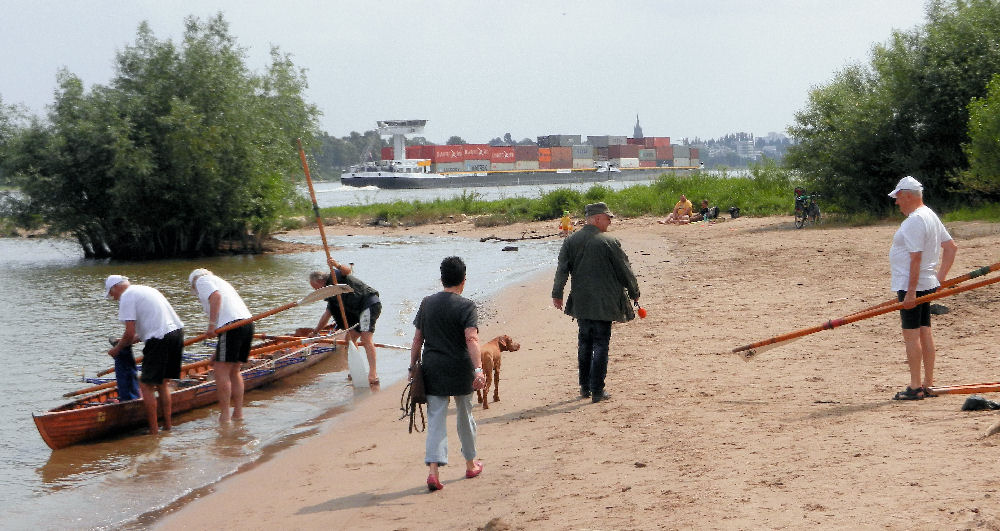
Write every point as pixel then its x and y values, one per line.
pixel 448 334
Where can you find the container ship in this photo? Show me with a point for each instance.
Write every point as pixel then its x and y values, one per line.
pixel 556 159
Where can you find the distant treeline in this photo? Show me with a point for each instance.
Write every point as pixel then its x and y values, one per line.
pixel 927 104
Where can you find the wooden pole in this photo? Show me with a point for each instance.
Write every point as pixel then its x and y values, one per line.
pixel 322 231
pixel 747 352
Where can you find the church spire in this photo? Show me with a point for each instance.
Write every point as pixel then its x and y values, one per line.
pixel 637 132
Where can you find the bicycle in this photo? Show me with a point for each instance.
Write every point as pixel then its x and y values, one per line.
pixel 806 208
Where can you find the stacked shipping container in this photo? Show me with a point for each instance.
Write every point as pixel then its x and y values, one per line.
pixel 555 152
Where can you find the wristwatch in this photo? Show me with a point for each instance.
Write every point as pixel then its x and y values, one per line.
pixel 479 369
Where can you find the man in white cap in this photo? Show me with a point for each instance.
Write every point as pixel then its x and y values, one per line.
pixel 148 317
pixel 602 276
pixel 913 259
pixel 223 306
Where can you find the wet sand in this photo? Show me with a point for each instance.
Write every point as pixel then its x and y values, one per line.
pixel 805 435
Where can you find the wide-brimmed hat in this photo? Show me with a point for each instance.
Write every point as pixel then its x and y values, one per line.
pixel 112 281
pixel 906 183
pixel 594 209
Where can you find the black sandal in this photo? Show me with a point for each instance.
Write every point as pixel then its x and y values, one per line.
pixel 910 394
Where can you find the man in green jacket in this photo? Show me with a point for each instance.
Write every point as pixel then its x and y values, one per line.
pixel 601 276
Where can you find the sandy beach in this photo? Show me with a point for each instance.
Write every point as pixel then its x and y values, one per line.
pixel 804 435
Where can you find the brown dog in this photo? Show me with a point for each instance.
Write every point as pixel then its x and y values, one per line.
pixel 490 352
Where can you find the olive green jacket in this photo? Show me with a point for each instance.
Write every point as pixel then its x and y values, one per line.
pixel 601 277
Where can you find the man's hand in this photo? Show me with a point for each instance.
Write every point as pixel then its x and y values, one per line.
pixel 557 303
pixel 910 300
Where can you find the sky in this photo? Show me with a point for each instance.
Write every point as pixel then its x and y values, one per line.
pixel 480 69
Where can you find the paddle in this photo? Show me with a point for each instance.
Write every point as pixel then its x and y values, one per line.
pixel 985 270
pixel 338 341
pixel 319 223
pixel 749 351
pixel 967 389
pixel 324 293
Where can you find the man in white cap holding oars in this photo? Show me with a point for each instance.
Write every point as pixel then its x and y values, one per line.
pixel 913 258
pixel 150 318
pixel 223 305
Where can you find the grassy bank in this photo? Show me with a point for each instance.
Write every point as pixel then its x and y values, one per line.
pixel 767 191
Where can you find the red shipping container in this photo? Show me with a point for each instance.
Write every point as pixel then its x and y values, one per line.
pixel 647 163
pixel 628 151
pixel 444 153
pixel 476 152
pixel 387 153
pixel 525 153
pixel 694 153
pixel 562 157
pixel 544 165
pixel 664 153
pixel 502 154
pixel 661 141
pixel 414 152
pixel 634 142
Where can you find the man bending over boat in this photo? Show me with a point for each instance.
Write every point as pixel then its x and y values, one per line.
pixel 150 318
pixel 362 307
pixel 223 306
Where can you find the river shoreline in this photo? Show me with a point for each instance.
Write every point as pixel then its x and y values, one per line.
pixel 805 435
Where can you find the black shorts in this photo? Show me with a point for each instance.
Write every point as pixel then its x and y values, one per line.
pixel 161 358
pixel 919 315
pixel 234 345
pixel 366 323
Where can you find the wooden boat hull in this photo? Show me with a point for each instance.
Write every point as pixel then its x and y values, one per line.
pixel 87 419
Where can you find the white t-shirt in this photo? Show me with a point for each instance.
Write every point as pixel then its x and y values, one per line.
pixel 231 306
pixel 153 315
pixel 920 231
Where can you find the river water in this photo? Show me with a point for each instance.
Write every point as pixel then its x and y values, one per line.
pixel 55 324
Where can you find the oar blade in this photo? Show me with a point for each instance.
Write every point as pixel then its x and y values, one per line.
pixel 325 293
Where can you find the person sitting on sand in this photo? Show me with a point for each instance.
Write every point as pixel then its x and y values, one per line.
pixel 705 213
pixel 681 213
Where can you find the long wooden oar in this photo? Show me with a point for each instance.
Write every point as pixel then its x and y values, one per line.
pixel 985 270
pixel 338 341
pixel 967 389
pixel 747 352
pixel 324 293
pixel 319 223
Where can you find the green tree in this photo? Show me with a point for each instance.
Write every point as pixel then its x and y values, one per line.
pixel 905 113
pixel 983 148
pixel 455 141
pixel 184 149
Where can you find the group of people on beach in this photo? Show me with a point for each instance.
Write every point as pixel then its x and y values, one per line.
pixel 149 318
pixel 445 344
pixel 683 212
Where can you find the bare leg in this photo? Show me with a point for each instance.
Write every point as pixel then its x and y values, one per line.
pixel 148 392
pixel 236 382
pixel 369 342
pixel 223 388
pixel 914 356
pixel 165 404
pixel 928 353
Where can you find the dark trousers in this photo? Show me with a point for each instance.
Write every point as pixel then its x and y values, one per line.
pixel 126 375
pixel 592 353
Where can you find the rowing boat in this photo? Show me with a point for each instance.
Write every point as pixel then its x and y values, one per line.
pixel 101 415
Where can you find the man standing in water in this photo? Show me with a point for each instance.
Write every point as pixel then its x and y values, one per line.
pixel 362 307
pixel 601 276
pixel 913 258
pixel 150 318
pixel 223 306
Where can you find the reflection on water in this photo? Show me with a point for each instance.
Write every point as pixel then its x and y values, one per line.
pixel 55 325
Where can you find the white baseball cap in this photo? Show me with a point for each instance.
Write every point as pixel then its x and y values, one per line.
pixel 197 273
pixel 112 281
pixel 906 183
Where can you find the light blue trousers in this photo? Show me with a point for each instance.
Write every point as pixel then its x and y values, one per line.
pixel 437 435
